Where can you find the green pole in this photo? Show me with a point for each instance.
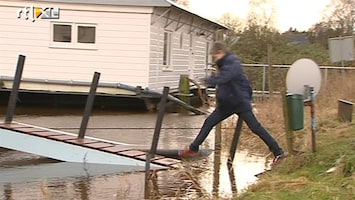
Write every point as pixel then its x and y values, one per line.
pixel 184 92
pixel 289 133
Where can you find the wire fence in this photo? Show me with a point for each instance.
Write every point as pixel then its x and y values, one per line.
pixel 258 74
pixel 130 128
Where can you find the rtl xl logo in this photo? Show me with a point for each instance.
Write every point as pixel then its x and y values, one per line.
pixel 32 13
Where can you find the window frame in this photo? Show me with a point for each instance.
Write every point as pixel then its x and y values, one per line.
pixel 74 44
pixel 167 49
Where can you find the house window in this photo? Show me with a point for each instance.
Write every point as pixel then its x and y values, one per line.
pixel 167 50
pixel 73 35
pixel 207 53
pixel 181 40
pixel 86 34
pixel 61 33
pixel 208 59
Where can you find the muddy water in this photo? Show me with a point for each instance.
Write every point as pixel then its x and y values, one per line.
pixel 26 176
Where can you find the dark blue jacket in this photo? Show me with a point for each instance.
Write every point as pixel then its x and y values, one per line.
pixel 233 91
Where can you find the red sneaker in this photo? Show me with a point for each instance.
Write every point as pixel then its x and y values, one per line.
pixel 187 153
pixel 277 160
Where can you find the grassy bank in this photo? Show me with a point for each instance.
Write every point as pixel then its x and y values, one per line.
pixel 305 176
pixel 329 173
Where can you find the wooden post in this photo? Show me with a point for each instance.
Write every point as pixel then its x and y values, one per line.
pixel 232 151
pixel 217 159
pixel 155 140
pixel 345 110
pixel 184 92
pixel 289 132
pixel 15 87
pixel 264 83
pixel 269 60
pixel 235 141
pixel 89 105
pixel 217 141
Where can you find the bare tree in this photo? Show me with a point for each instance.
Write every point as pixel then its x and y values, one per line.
pixel 338 20
pixel 340 15
pixel 236 24
pixel 262 13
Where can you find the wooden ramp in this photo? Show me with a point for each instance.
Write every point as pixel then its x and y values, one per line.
pixel 68 147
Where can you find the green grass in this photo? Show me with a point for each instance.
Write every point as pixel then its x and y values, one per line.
pixel 304 176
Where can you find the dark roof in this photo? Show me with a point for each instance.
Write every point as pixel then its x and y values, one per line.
pixel 298 38
pixel 160 3
pixel 150 3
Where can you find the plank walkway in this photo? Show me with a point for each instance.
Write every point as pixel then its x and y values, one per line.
pixel 91 143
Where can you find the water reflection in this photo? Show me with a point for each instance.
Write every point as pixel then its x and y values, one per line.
pixel 194 179
pixel 7 192
pixel 82 186
pixel 184 182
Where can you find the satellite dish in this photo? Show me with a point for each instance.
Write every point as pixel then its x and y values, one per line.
pixel 303 72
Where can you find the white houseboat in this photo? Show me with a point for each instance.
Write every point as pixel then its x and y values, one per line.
pixel 146 43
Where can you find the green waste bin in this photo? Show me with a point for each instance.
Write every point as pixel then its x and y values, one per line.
pixel 295 108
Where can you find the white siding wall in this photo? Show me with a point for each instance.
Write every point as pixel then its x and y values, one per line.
pixel 122 41
pixel 158 77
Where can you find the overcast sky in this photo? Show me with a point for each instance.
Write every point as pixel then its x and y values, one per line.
pixel 300 14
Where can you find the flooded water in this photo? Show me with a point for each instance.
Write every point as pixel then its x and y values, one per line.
pixel 26 176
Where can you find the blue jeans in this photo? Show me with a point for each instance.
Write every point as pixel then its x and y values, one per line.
pixel 248 117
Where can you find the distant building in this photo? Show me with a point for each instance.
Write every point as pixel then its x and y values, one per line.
pixel 297 38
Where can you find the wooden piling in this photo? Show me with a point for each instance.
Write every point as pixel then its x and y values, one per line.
pixel 235 141
pixel 155 140
pixel 89 105
pixel 233 149
pixel 15 87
